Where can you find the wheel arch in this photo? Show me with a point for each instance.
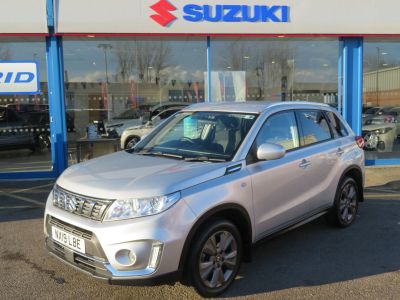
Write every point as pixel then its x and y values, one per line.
pixel 236 214
pixel 356 173
pixel 129 138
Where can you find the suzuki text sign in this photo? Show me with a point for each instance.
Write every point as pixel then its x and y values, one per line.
pixel 280 17
pixel 19 77
pixel 230 13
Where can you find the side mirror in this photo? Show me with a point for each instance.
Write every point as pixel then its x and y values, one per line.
pixel 270 151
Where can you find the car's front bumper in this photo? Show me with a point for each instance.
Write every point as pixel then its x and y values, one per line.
pixel 104 240
pixel 99 270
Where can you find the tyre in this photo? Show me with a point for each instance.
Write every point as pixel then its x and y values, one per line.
pixel 131 142
pixel 43 142
pixel 215 258
pixel 345 208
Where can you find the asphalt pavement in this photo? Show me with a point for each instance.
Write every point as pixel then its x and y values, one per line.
pixel 314 261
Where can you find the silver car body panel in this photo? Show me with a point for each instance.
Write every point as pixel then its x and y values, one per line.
pixel 123 175
pixel 274 194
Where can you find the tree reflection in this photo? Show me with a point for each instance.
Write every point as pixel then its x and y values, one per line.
pixel 269 68
pixel 142 60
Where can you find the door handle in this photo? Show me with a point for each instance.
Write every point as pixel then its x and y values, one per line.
pixel 339 152
pixel 304 164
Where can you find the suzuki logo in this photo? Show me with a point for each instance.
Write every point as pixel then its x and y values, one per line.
pixel 163 8
pixel 71 204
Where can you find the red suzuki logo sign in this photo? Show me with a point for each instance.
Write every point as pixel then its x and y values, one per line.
pixel 163 16
pixel 224 13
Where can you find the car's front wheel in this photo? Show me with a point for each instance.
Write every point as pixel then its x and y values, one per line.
pixel 345 208
pixel 215 258
pixel 132 141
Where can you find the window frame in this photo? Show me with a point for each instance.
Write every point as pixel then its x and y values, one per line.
pixel 332 127
pixel 302 144
pixel 251 156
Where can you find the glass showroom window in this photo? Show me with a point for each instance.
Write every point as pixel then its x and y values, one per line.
pixel 114 84
pixel 381 99
pixel 24 119
pixel 279 69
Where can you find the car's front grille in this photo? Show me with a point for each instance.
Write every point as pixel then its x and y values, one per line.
pixel 92 244
pixel 92 208
pixel 70 228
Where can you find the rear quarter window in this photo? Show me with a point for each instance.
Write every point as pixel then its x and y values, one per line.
pixel 338 128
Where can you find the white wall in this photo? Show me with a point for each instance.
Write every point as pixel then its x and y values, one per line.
pixel 23 16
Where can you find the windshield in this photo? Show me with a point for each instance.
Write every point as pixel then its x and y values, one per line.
pixel 130 114
pixel 213 136
pixel 372 110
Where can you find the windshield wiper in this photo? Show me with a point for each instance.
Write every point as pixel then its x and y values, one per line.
pixel 204 158
pixel 158 153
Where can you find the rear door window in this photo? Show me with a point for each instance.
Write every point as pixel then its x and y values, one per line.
pixel 314 127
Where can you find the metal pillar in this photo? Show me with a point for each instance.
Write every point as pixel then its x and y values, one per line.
pixel 351 59
pixel 55 68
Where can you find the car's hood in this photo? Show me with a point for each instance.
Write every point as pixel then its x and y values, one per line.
pixel 114 122
pixel 122 174
pixel 377 126
pixel 139 127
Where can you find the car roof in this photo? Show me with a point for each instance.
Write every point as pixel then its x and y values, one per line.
pixel 252 106
pixel 176 108
pixel 169 103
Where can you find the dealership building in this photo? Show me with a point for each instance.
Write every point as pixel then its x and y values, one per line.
pixel 67 66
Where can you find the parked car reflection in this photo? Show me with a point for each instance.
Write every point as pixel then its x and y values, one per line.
pixel 26 126
pixel 380 133
pixel 133 135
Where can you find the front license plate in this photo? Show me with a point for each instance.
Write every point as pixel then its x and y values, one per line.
pixel 69 240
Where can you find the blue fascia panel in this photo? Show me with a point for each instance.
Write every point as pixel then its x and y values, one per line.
pixel 352 59
pixel 56 95
pixel 56 103
pixel 340 77
pixel 209 69
pixel 382 162
pixel 28 175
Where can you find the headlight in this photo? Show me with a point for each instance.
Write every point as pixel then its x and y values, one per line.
pixel 134 208
pixel 383 130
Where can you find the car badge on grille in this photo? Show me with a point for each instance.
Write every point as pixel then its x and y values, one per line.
pixel 71 204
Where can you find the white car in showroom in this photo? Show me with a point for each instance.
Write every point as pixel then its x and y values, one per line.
pixel 132 135
pixel 380 133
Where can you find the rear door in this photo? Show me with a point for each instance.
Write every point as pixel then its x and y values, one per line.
pixel 322 152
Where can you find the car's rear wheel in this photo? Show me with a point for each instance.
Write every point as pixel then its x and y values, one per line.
pixel 215 258
pixel 131 142
pixel 345 208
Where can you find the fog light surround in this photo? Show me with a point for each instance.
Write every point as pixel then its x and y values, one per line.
pixel 125 257
pixel 155 255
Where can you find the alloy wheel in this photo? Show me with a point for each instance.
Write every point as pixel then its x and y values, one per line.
pixel 218 259
pixel 348 203
pixel 132 142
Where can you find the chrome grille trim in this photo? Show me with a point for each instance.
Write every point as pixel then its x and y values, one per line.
pixel 92 208
pixel 70 228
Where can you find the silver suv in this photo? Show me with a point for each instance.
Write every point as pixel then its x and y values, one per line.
pixel 205 185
